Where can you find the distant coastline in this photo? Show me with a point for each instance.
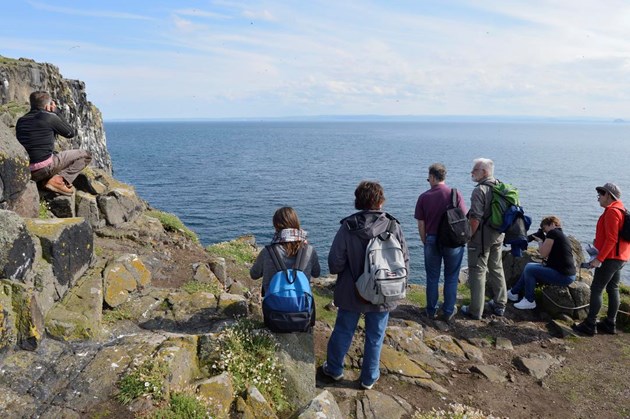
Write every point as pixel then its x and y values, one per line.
pixel 393 118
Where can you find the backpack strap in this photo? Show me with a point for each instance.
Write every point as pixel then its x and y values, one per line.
pixel 453 198
pixel 389 231
pixel 623 218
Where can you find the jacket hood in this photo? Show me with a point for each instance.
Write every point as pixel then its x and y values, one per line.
pixel 367 224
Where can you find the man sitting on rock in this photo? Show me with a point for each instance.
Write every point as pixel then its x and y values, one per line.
pixel 36 132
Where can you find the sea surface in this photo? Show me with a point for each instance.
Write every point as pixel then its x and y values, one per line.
pixel 226 179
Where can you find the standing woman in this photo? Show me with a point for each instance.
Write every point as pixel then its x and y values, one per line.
pixel 613 253
pixel 558 269
pixel 346 259
pixel 290 238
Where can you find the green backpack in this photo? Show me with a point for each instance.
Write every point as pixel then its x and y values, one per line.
pixel 504 196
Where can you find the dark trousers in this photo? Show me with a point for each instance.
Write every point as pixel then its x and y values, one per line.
pixel 607 277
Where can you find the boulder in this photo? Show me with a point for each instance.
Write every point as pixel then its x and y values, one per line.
pixel 29 322
pixel 17 248
pixel 14 173
pixel 233 305
pixel 258 404
pixel 558 301
pixel 537 365
pixel 218 266
pixel 322 406
pixel 60 206
pixel 120 205
pixel 79 314
pixel 67 244
pixel 491 372
pixel 296 354
pixel 26 204
pixel 123 277
pixel 219 392
pixel 180 355
pixel 87 207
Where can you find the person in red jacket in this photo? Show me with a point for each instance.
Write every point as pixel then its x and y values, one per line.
pixel 613 254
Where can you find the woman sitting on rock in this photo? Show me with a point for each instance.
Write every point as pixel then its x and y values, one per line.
pixel 558 267
pixel 291 238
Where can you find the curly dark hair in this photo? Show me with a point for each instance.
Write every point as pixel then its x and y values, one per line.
pixel 369 196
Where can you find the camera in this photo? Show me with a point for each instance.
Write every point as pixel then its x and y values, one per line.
pixel 539 234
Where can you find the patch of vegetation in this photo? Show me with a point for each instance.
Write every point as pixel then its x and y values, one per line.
pixel 116 314
pixel 454 411
pixel 323 296
pixel 192 287
pixel 145 380
pixel 248 354
pixel 171 222
pixel 15 108
pixel 182 406
pixel 44 210
pixel 417 296
pixel 239 251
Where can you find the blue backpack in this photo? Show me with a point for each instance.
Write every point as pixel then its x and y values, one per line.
pixel 288 304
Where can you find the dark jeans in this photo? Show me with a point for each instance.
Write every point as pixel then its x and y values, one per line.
pixel 607 277
pixel 537 273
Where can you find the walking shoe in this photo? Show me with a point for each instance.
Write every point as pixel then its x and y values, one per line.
pixel 606 326
pixel 58 185
pixel 466 310
pixel 494 308
pixel 585 328
pixel 525 304
pixel 429 316
pixel 448 317
pixel 329 374
pixel 512 297
pixel 369 386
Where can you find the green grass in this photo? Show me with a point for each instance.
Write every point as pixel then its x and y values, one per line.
pixel 171 222
pixel 247 352
pixel 417 296
pixel 114 315
pixel 182 406
pixel 14 108
pixel 323 296
pixel 238 251
pixel 146 380
pixel 192 287
pixel 44 213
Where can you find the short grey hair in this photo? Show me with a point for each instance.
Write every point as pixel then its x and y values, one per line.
pixel 485 164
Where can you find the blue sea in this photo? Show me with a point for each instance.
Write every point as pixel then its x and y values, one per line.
pixel 226 179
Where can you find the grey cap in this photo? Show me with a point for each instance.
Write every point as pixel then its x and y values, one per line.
pixel 612 189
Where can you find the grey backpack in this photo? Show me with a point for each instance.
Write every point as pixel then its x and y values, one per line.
pixel 384 277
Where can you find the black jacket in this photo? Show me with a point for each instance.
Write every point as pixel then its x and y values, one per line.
pixel 36 132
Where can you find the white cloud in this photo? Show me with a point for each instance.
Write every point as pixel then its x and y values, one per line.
pixel 83 12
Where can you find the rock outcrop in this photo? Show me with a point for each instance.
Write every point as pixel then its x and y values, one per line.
pixel 25 76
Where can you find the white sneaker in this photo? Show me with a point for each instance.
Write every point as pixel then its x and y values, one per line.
pixel 512 297
pixel 525 305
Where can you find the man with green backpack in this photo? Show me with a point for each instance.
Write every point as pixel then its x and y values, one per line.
pixel 485 246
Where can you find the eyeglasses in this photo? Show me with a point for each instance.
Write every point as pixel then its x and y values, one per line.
pixel 428 180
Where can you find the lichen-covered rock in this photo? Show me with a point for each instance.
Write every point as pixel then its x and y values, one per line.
pixel 296 354
pixel 233 305
pixel 17 249
pixel 558 301
pixel 395 362
pixel 78 316
pixel 322 406
pixel 184 305
pixel 8 332
pixel 180 355
pixel 29 322
pixel 446 345
pixel 123 277
pixel 67 244
pixel 258 404
pixel 219 392
pixel 14 173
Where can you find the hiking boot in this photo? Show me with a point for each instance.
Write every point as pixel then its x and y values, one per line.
pixel 466 310
pixel 429 316
pixel 58 185
pixel 449 317
pixel 329 374
pixel 368 386
pixel 606 326
pixel 585 328
pixel 512 297
pixel 494 308
pixel 525 304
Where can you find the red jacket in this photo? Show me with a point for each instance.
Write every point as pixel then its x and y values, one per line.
pixel 607 234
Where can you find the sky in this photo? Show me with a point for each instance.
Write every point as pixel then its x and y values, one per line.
pixel 270 58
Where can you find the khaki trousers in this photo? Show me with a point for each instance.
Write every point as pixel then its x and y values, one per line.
pixel 482 268
pixel 68 164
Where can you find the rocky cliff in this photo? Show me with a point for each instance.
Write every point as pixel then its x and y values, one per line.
pixel 18 78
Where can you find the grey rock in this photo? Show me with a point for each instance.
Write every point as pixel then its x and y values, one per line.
pixel 219 392
pixel 322 406
pixel 296 354
pixel 87 207
pixel 14 173
pixel 26 204
pixel 17 248
pixel 537 365
pixel 218 266
pixel 60 205
pixel 504 344
pixel 491 372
